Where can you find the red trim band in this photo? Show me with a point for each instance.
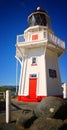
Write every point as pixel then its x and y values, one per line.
pixel 28 99
pixel 37 99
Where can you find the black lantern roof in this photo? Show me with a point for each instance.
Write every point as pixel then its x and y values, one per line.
pixel 38 17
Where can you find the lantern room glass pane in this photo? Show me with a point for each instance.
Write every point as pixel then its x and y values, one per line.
pixel 37 19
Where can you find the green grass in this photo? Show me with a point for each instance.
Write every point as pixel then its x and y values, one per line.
pixel 4 88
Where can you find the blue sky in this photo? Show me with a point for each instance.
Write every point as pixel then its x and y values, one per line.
pixel 13 21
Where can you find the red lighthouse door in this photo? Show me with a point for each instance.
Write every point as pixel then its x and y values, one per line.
pixel 32 87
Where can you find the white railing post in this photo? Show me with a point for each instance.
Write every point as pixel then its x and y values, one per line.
pixel 8 104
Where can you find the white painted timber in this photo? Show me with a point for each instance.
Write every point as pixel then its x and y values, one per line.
pixel 8 104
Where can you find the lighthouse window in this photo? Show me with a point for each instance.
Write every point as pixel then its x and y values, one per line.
pixel 33 75
pixel 34 60
pixel 52 73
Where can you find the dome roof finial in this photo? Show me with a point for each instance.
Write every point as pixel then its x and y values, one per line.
pixel 38 8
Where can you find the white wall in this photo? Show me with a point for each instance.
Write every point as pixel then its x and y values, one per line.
pixel 45 84
pixel 53 84
pixel 39 69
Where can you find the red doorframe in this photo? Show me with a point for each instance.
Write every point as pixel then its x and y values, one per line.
pixel 32 87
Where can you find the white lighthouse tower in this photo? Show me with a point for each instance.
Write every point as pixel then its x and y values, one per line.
pixel 38 51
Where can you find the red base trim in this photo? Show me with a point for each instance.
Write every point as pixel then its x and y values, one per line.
pixel 37 99
pixel 28 99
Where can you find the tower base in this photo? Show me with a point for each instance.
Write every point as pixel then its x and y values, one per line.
pixel 37 99
pixel 28 99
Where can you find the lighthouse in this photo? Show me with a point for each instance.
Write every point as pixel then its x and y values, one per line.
pixel 38 51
